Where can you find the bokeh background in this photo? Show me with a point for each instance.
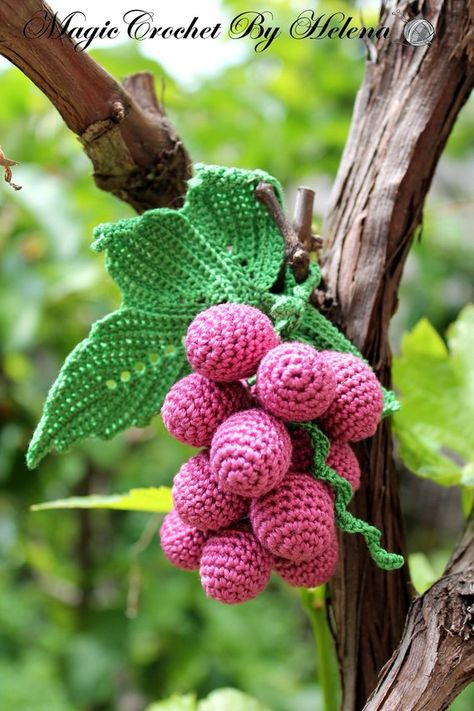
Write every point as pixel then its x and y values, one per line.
pixel 92 617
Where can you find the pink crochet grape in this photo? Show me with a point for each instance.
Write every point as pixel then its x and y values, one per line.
pixel 195 407
pixel 295 382
pixel 295 521
pixel 228 341
pixel 313 572
pixel 250 453
pixel 234 567
pixel 357 407
pixel 342 459
pixel 198 499
pixel 302 456
pixel 181 544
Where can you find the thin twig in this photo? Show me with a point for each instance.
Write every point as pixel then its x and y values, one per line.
pixel 303 216
pixel 303 219
pixel 295 253
pixel 7 164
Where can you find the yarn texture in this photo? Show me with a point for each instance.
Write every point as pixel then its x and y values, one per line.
pixel 198 499
pixel 206 288
pixel 310 573
pixel 221 246
pixel 302 452
pixel 295 382
pixel 195 407
pixel 343 494
pixel 357 407
pixel 342 459
pixel 295 521
pixel 181 544
pixel 228 341
pixel 250 453
pixel 234 567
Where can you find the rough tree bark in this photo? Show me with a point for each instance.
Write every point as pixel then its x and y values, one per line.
pixel 435 659
pixel 404 113
pixel 135 151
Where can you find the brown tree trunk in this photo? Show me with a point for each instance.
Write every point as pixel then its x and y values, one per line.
pixel 435 659
pixel 404 113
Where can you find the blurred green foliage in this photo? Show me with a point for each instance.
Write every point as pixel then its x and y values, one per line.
pixel 219 700
pixel 434 424
pixel 89 620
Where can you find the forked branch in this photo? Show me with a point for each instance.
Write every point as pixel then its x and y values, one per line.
pixel 135 151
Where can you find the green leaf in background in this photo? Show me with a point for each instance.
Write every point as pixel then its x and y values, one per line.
pixel 421 572
pixel 219 700
pixel 152 499
pixel 434 425
pixel 230 700
pixel 175 703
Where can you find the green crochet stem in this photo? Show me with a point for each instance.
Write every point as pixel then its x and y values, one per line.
pixel 343 494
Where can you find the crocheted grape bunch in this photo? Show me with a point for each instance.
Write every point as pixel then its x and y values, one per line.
pixel 249 502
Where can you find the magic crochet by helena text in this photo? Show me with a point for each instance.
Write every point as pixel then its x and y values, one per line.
pixel 261 28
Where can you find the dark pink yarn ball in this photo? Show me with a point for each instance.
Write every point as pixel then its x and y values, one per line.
pixel 302 456
pixel 198 499
pixel 310 573
pixel 295 521
pixel 234 567
pixel 228 341
pixel 342 459
pixel 195 407
pixel 357 407
pixel 250 453
pixel 181 544
pixel 295 382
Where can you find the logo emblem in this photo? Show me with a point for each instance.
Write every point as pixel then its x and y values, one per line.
pixel 418 32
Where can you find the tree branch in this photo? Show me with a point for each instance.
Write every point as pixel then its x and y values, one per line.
pixel 135 152
pixel 7 164
pixel 435 658
pixel 404 112
pixel 295 252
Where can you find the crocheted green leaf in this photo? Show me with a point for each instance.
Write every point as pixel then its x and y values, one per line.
pixel 434 426
pixel 316 330
pixel 169 264
pixel 162 264
pixel 221 204
pixel 116 378
pixel 151 499
pixel 222 245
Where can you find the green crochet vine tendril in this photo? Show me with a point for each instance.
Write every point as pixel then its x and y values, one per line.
pixel 343 494
pixel 288 310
